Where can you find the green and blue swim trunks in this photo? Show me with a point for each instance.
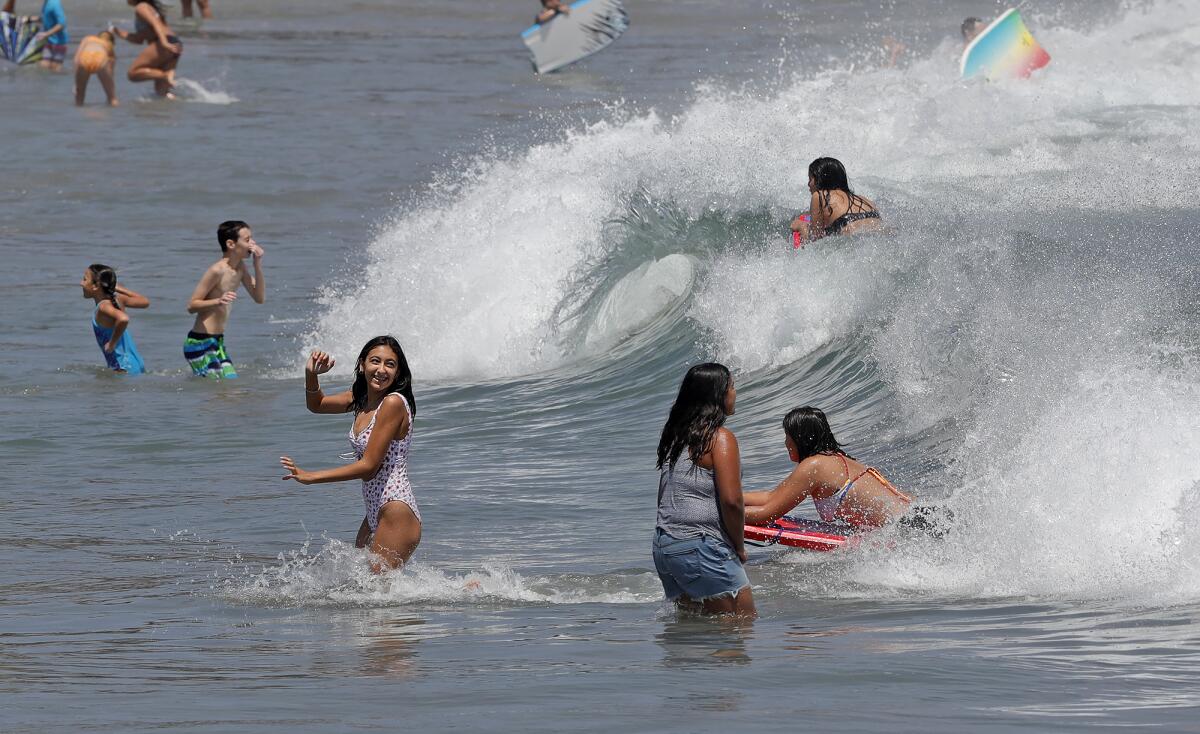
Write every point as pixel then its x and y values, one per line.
pixel 206 355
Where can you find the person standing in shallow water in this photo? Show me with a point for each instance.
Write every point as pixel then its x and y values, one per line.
pixel 163 48
pixel 185 7
pixel 698 544
pixel 110 322
pixel 212 300
pixel 381 433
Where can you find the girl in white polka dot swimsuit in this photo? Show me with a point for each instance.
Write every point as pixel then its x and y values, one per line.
pixel 391 482
pixel 384 408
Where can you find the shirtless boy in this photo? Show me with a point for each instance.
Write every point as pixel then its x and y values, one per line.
pixel 204 347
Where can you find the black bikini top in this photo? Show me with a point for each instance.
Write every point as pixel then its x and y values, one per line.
pixel 835 227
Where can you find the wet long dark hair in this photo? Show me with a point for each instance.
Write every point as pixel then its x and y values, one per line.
pixel 698 412
pixel 106 278
pixel 401 384
pixel 809 430
pixel 828 174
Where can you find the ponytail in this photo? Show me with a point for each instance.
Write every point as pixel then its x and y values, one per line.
pixel 106 278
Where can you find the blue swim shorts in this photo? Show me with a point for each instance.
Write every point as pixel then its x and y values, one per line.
pixel 699 568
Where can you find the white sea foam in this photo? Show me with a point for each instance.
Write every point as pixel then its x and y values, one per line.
pixel 471 276
pixel 339 575
pixel 1056 346
pixel 189 90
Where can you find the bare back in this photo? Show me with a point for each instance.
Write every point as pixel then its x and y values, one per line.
pixel 829 206
pixel 870 501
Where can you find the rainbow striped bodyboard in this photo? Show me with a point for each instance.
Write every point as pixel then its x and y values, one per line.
pixel 1004 50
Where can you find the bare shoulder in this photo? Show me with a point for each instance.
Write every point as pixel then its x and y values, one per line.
pixel 818 466
pixel 724 440
pixel 394 404
pixel 216 269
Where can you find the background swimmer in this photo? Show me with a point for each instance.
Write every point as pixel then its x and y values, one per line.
pixel 163 48
pixel 186 8
pixel 96 55
pixel 110 322
pixel 551 8
pixel 212 299
pixel 834 207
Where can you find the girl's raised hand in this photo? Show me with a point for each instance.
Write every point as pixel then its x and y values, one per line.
pixel 294 472
pixel 319 362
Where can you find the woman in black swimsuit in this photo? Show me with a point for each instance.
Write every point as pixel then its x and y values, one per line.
pixel 156 63
pixel 835 209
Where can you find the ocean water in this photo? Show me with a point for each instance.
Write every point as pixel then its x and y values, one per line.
pixel 553 253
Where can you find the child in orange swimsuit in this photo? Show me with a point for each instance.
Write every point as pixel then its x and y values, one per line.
pixel 843 489
pixel 96 56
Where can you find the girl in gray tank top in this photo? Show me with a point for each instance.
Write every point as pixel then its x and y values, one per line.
pixel 698 545
pixel 687 503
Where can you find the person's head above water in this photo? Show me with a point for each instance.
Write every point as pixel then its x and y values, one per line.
pixel 972 27
pixel 828 174
pixel 706 398
pixel 808 433
pixel 229 234
pixel 382 358
pixel 100 281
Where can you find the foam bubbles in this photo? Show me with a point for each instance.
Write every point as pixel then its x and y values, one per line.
pixel 339 575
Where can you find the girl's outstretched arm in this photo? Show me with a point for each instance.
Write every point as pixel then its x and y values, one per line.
pixel 391 421
pixel 751 499
pixel 317 401
pixel 768 507
pixel 131 299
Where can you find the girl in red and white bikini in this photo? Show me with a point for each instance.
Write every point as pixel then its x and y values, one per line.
pixel 843 489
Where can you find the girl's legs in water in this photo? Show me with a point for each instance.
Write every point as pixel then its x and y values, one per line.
pixel 81 81
pixel 106 81
pixel 740 604
pixel 396 536
pixel 364 535
pixel 154 65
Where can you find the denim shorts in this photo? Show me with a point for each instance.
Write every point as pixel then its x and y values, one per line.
pixel 699 568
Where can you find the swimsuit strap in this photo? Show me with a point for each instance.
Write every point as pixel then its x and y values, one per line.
pixel 889 486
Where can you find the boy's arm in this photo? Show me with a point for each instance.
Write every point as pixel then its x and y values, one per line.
pixel 256 286
pixel 54 29
pixel 132 299
pixel 199 303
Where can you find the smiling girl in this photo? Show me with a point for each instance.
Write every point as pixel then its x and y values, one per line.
pixel 381 433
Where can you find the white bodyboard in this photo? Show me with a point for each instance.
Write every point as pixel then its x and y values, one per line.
pixel 591 26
